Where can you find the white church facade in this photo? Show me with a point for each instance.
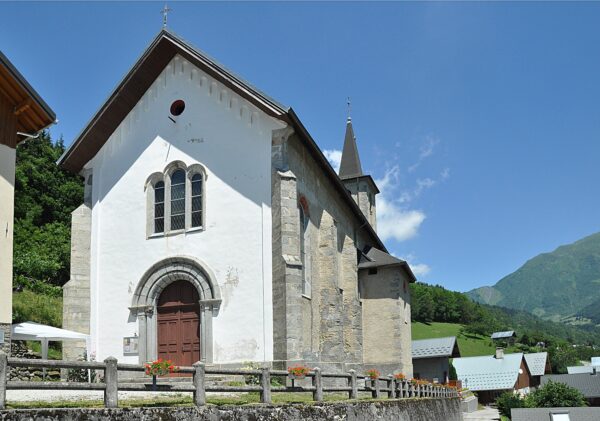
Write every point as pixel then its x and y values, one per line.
pixel 214 229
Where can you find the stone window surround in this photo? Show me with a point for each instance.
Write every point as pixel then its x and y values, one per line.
pixel 165 176
pixel 151 285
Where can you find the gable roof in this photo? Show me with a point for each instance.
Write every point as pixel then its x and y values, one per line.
pixel 544 414
pixel 587 384
pixel 372 257
pixel 435 347
pixel 583 369
pixel 536 363
pixel 143 73
pixel 487 372
pixel 502 335
pixel 31 111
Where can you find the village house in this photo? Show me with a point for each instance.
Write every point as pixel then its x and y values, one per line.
pixel 214 229
pixel 539 365
pixel 491 375
pixel 23 114
pixel 504 338
pixel 431 358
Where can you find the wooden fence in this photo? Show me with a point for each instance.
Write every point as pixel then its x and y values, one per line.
pixel 382 387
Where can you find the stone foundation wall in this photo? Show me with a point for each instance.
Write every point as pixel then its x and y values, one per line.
pixel 399 410
pixel 5 347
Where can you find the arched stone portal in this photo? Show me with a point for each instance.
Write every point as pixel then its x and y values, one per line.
pixel 149 289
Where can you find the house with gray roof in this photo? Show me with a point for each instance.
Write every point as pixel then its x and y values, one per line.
pixel 490 375
pixel 431 358
pixel 539 364
pixel 580 369
pixel 555 414
pixel 504 338
pixel 587 384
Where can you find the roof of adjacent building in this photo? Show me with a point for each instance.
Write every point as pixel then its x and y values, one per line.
pixel 488 372
pixel 145 71
pixel 32 112
pixel 372 257
pixel 579 369
pixel 545 414
pixel 537 363
pixel 587 384
pixel 435 347
pixel 502 335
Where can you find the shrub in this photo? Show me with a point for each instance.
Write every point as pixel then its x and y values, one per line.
pixel 509 400
pixel 39 308
pixel 556 395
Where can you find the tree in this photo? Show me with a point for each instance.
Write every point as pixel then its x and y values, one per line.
pixel 561 356
pixel 555 395
pixel 508 400
pixel 45 196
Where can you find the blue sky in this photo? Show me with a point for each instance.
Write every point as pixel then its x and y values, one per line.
pixel 480 121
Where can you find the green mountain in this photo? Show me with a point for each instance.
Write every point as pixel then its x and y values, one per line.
pixel 556 285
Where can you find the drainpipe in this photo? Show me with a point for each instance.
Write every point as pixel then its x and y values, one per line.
pixel 29 136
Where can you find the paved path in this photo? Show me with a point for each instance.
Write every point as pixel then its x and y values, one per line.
pixel 486 414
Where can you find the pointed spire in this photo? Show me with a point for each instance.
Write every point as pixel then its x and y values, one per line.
pixel 350 165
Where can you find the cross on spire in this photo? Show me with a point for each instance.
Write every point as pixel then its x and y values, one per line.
pixel 165 11
pixel 349 107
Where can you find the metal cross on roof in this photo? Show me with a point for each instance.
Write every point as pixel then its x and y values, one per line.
pixel 349 104
pixel 165 11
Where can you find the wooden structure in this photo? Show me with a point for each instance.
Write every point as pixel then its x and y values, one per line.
pixel 22 115
pixel 378 388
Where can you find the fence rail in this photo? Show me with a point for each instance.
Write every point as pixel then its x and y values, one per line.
pixel 389 386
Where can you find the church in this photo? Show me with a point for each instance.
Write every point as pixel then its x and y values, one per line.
pixel 214 229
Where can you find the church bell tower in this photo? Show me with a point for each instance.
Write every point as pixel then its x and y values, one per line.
pixel 362 187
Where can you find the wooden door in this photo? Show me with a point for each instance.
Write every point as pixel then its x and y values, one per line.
pixel 179 324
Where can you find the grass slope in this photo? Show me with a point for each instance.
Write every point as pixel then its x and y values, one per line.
pixel 469 345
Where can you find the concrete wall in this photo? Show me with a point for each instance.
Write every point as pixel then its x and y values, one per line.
pixel 386 320
pixel 399 410
pixel 231 139
pixel 431 368
pixel 7 194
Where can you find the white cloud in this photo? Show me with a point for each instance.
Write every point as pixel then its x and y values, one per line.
pixel 334 157
pixel 394 220
pixel 420 269
pixel 425 151
pixel 423 184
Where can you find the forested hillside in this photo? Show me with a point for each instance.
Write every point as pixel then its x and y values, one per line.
pixel 45 196
pixel 552 285
pixel 437 304
pixel 438 312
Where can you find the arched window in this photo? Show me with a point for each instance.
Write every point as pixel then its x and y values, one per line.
pixel 196 200
pixel 178 200
pixel 175 199
pixel 159 207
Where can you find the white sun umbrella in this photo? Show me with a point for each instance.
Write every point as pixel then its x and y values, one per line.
pixel 31 331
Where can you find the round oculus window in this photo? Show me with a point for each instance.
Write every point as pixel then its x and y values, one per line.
pixel 177 107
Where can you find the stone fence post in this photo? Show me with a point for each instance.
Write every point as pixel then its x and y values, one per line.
pixel 318 385
pixel 3 378
pixel 199 384
pixel 265 383
pixel 111 379
pixel 353 385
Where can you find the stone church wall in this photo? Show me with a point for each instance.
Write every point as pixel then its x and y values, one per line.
pixel 386 320
pixel 329 331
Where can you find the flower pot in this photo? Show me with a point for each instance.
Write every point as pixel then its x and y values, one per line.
pixel 297 376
